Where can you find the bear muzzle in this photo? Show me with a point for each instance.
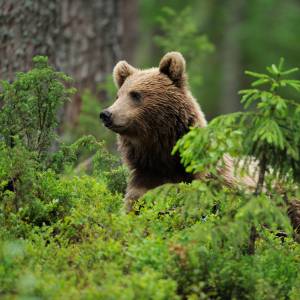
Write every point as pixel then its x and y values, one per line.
pixel 106 117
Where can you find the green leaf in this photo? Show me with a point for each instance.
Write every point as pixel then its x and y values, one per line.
pixel 274 69
pixel 260 82
pixel 288 72
pixel 254 74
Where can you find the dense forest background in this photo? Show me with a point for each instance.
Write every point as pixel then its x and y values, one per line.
pixel 85 39
pixel 64 232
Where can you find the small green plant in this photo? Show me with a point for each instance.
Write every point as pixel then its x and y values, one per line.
pixel 88 121
pixel 32 192
pixel 272 128
pixel 30 107
pixel 267 133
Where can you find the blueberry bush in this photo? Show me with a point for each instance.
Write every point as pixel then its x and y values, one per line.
pixel 64 233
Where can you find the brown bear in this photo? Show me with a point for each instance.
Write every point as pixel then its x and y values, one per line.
pixel 153 109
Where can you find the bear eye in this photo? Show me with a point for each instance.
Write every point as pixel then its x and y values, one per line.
pixel 136 96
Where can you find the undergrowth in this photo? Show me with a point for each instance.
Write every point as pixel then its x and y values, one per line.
pixel 64 233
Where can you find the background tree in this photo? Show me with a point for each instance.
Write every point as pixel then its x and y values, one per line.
pixel 246 35
pixel 28 28
pixel 84 38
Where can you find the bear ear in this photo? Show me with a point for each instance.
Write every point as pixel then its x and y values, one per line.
pixel 173 65
pixel 121 71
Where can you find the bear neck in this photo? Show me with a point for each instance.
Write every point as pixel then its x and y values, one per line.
pixel 151 160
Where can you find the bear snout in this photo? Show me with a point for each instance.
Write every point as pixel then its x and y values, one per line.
pixel 105 116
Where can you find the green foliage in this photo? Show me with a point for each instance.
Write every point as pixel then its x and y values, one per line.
pixel 30 106
pixel 268 133
pixel 109 169
pixel 34 196
pixel 174 248
pixel 180 33
pixel 88 121
pixel 64 233
pixel 32 189
pixel 275 124
pixel 202 149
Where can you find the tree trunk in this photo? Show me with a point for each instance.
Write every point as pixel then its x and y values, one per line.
pixel 83 38
pixel 89 47
pixel 252 238
pixel 231 56
pixel 27 29
pixel 129 40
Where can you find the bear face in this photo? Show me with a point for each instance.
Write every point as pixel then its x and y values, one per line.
pixel 150 99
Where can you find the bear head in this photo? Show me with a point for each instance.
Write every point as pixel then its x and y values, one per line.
pixel 152 101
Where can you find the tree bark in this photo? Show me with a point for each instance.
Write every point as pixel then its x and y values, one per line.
pixel 27 29
pixel 83 38
pixel 89 47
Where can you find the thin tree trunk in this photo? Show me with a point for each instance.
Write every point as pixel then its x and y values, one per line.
pixel 294 215
pixel 261 176
pixel 252 240
pixel 130 22
pixel 231 56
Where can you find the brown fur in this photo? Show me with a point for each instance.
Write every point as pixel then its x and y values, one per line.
pixel 149 127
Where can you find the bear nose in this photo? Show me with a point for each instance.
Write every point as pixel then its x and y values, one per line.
pixel 105 116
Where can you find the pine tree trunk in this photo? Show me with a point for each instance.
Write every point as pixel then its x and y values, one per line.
pixel 27 29
pixel 83 38
pixel 90 45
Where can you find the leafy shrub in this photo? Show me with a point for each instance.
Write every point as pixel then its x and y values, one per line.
pixel 32 189
pixel 30 106
pixel 88 121
pixel 269 133
pixel 64 234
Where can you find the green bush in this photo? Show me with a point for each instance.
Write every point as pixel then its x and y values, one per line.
pixel 30 106
pixel 34 179
pixel 268 133
pixel 64 233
